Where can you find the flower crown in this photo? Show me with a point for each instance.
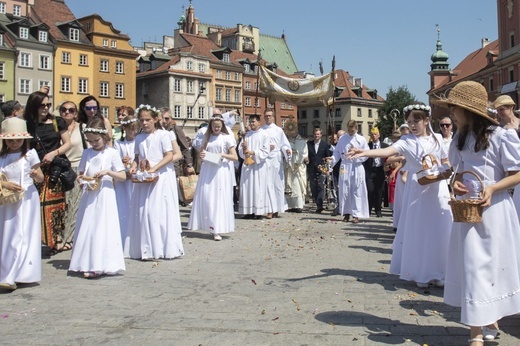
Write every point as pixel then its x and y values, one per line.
pixel 147 107
pixel 92 130
pixel 129 121
pixel 417 106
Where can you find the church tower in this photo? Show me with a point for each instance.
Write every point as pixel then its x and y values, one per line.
pixel 440 68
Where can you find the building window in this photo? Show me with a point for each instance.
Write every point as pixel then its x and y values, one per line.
pixel 237 76
pixel 113 44
pixel 120 90
pixel 83 86
pixel 74 34
pixel 202 87
pixel 218 94
pixel 45 62
pixel 248 85
pixel 25 59
pixel 2 98
pixel 105 42
pixel 248 102
pixel 17 10
pixel 283 122
pixel 338 113
pixel 302 128
pixel 120 67
pixel 83 60
pixel 290 106
pixel 202 68
pixel 104 112
pixel 316 113
pixel 103 66
pixel 43 83
pixel 237 95
pixel 189 65
pixel 177 111
pixel 202 113
pixel 359 112
pixel 225 57
pixel 2 70
pixel 491 84
pixel 87 26
pixel 228 95
pixel 42 36
pixel 103 89
pixel 257 103
pixel 282 106
pixel 359 128
pixel 25 86
pixel 247 68
pixel 370 113
pixel 228 75
pixel 177 85
pixel 219 74
pixel 303 114
pixel 1 39
pixel 511 75
pixel 189 110
pixel 24 33
pixel 189 86
pixel 65 84
pixel 255 86
pixel 2 7
pixel 511 40
pixel 65 57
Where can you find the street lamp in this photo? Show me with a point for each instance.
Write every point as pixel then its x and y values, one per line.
pixel 202 88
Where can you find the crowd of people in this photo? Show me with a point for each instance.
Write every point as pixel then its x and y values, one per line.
pixel 131 171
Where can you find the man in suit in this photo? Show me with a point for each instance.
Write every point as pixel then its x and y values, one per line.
pixel 375 174
pixel 318 150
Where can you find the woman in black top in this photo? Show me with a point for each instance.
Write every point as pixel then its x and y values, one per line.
pixel 50 139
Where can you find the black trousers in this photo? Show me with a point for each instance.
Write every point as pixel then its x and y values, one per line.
pixel 316 182
pixel 375 187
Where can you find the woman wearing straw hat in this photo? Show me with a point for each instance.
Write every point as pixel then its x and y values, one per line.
pixel 20 243
pixel 483 272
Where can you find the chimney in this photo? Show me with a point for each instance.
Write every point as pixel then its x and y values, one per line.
pixel 485 42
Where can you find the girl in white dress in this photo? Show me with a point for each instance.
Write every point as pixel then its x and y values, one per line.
pixel 126 148
pixel 212 208
pixel 155 229
pixel 20 240
pixel 421 243
pixel 97 247
pixel 483 273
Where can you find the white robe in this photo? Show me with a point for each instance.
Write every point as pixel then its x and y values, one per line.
pixel 253 178
pixel 421 244
pixel 124 189
pixel 20 233
pixel 352 187
pixel 276 187
pixel 483 272
pixel 213 209
pixel 97 245
pixel 296 173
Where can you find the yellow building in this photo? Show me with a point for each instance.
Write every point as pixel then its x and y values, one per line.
pixel 113 66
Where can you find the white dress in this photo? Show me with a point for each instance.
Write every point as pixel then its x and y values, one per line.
pixel 212 208
pixel 483 273
pixel 155 229
pixel 124 189
pixel 20 233
pixel 352 187
pixel 421 244
pixel 97 238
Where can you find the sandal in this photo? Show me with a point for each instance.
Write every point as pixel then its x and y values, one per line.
pixel 476 340
pixel 66 247
pixel 91 275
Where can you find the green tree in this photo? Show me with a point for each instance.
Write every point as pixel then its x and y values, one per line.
pixel 395 101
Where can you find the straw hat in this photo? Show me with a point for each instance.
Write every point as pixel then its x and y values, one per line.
pixel 503 100
pixel 468 95
pixel 14 128
pixel 291 129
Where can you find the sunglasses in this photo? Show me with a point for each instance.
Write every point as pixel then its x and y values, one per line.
pixel 43 105
pixel 91 108
pixel 70 110
pixel 445 125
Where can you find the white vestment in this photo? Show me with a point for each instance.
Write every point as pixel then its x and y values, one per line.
pixel 296 173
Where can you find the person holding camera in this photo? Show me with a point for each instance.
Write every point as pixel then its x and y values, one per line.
pixel 51 140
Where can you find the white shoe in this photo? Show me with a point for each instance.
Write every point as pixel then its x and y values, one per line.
pixel 217 237
pixel 6 286
pixel 422 284
pixel 438 283
pixel 489 333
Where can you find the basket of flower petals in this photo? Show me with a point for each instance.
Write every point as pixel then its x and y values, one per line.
pixel 431 171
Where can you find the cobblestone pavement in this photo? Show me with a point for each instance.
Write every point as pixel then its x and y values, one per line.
pixel 302 279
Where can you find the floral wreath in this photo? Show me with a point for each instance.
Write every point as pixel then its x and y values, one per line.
pixel 147 107
pixel 92 130
pixel 129 121
pixel 417 106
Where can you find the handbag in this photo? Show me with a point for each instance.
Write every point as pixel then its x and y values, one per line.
pixel 187 185
pixel 9 196
pixel 67 175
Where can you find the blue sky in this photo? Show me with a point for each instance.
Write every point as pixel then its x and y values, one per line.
pixel 386 43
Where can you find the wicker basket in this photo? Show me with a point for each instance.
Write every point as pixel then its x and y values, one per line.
pixel 9 196
pixel 435 176
pixel 90 183
pixel 147 180
pixel 466 210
